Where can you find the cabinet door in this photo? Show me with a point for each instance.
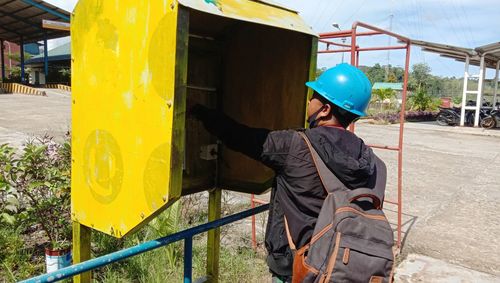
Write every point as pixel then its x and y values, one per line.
pixel 264 87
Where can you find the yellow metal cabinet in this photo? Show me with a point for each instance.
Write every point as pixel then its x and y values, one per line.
pixel 135 62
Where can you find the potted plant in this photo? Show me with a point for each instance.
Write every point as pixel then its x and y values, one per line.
pixel 40 174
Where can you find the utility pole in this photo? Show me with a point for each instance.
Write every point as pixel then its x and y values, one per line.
pixel 337 26
pixel 388 51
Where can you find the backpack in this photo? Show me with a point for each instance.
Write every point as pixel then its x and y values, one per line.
pixel 352 239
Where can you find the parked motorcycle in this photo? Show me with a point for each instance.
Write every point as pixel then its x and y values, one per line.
pixel 448 116
pixel 451 116
pixel 491 120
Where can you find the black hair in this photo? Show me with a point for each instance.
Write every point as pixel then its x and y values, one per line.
pixel 344 117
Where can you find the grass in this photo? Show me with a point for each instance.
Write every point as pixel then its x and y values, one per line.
pixel 17 260
pixel 238 262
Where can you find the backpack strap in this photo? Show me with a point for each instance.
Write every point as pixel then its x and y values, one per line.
pixel 328 179
pixel 289 236
pixel 356 194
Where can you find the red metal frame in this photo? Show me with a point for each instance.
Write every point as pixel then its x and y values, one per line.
pixel 354 50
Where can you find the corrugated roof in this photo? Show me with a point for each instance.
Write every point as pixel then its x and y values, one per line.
pixel 491 51
pixel 23 18
pixel 255 11
pixel 394 86
pixel 59 53
pixel 460 53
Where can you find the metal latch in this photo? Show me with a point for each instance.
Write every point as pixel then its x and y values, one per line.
pixel 208 152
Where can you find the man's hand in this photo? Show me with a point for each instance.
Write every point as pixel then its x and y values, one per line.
pixel 197 111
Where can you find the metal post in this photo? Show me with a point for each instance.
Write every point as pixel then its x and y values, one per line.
pixel 479 102
pixel 400 145
pixel 45 58
pixel 353 46
pixel 2 49
pixel 22 60
pixel 464 93
pixel 353 60
pixel 254 233
pixel 188 259
pixel 213 241
pixel 496 85
pixel 81 250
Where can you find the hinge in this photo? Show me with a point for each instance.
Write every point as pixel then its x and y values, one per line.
pixel 208 152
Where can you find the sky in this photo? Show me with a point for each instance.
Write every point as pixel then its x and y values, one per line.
pixel 464 23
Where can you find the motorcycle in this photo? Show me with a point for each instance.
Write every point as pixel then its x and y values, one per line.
pixel 451 116
pixel 491 120
pixel 448 116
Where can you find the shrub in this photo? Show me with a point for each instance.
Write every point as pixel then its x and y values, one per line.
pixel 420 116
pixel 422 101
pixel 35 188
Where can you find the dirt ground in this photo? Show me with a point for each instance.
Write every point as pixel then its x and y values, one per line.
pixel 450 194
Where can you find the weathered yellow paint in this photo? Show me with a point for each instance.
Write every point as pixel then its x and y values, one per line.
pixel 81 250
pixel 123 105
pixel 260 12
pixel 129 94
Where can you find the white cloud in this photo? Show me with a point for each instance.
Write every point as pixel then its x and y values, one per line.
pixel 67 5
pixel 467 23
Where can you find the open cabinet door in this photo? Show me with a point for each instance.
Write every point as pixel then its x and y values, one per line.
pixel 266 69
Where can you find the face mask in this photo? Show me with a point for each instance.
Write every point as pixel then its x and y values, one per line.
pixel 312 119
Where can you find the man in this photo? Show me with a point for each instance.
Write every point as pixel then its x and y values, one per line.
pixel 341 95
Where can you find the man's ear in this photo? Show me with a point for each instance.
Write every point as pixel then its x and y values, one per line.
pixel 326 109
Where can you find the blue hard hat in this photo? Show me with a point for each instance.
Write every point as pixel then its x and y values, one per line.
pixel 345 86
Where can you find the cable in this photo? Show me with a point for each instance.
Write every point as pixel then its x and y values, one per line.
pixel 333 15
pixel 356 12
pixel 322 11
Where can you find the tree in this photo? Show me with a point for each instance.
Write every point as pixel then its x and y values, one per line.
pixel 392 78
pixel 383 94
pixel 17 56
pixel 320 71
pixel 420 76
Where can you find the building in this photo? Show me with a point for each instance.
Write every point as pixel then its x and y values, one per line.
pixel 28 22
pixel 59 61
pixel 397 87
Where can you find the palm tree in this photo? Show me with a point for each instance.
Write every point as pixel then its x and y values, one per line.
pixel 383 94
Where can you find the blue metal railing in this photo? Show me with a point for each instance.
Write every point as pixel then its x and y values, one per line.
pixel 186 235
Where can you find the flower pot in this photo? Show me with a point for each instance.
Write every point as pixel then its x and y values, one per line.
pixel 57 259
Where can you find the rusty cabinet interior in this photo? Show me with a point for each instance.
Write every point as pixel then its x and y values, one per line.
pixel 253 73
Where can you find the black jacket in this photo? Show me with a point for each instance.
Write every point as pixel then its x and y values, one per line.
pixel 298 192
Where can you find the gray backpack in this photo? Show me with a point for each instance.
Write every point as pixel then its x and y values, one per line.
pixel 352 239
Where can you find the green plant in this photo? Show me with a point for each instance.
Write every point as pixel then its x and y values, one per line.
pixel 9 197
pixel 457 100
pixel 422 101
pixel 16 257
pixel 383 94
pixel 38 178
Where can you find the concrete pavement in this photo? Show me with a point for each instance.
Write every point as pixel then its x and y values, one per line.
pixel 24 116
pixel 450 196
pixel 451 187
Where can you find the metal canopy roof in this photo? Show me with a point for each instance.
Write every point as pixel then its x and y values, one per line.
pixel 60 53
pixel 23 18
pixel 492 52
